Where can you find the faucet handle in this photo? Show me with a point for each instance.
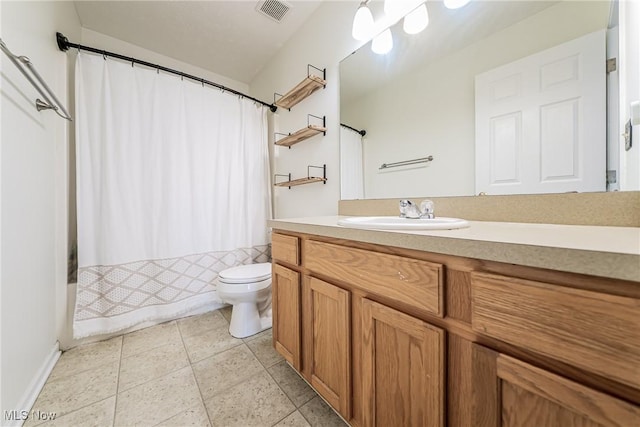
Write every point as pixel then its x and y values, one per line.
pixel 427 208
pixel 403 205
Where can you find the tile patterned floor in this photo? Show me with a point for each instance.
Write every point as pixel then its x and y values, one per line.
pixel 188 372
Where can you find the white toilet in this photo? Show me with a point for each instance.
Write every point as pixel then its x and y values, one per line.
pixel 248 289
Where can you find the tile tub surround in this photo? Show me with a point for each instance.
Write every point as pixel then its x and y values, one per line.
pixel 188 372
pixel 618 208
pixel 612 252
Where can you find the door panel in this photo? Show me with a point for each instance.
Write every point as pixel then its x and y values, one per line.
pixel 506 145
pixel 532 397
pixel 402 369
pixel 559 140
pixel 285 287
pixel 328 358
pixel 512 393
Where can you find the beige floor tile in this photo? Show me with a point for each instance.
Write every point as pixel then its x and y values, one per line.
pixel 73 392
pixel 150 338
pixel 202 323
pixel 256 402
pixel 216 339
pixel 290 382
pixel 158 400
pixel 226 312
pixel 98 414
pixel 192 417
pixel 224 370
pixel 155 363
pixel 319 414
pixel 258 335
pixel 262 347
pixel 294 420
pixel 85 357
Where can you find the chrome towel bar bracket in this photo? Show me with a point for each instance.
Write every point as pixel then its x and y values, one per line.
pixel 51 102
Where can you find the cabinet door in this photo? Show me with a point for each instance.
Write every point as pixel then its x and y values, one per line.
pixel 328 342
pixel 285 288
pixel 511 393
pixel 402 369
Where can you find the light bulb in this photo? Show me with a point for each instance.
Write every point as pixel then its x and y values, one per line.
pixel 382 43
pixel 362 23
pixel 417 20
pixel 455 4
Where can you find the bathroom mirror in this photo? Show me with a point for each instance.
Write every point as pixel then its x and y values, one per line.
pixel 419 100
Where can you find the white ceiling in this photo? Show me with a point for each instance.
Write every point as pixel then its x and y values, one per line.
pixel 229 38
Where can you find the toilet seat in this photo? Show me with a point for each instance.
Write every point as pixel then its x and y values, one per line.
pixel 242 288
pixel 246 274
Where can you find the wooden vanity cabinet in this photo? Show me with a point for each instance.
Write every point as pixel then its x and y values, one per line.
pixel 395 337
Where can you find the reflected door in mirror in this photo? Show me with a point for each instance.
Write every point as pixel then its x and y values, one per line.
pixel 541 121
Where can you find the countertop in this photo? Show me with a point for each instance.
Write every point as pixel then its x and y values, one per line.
pixel 612 252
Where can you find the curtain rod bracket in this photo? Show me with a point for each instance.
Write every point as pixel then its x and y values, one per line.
pixel 63 42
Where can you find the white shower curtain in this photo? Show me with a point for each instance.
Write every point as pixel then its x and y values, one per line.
pixel 172 187
pixel 351 168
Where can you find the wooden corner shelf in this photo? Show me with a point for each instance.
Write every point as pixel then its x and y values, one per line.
pixel 301 135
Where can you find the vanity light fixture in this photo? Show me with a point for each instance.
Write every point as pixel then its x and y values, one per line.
pixel 414 12
pixel 455 4
pixel 383 42
pixel 362 23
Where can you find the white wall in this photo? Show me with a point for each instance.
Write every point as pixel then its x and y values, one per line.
pixel 629 90
pixel 103 41
pixel 33 198
pixel 439 120
pixel 323 41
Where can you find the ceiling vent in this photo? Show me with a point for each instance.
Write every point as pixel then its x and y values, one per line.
pixel 273 9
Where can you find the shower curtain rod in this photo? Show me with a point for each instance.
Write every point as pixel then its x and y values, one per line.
pixel 361 132
pixel 64 44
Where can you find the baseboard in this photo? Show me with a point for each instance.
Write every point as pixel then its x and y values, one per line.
pixel 35 387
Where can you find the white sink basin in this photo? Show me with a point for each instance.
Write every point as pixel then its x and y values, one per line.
pixel 397 223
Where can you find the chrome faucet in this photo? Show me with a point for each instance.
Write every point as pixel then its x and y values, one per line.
pixel 408 209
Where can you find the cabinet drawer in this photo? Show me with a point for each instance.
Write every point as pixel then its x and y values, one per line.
pixel 593 331
pixel 285 248
pixel 410 281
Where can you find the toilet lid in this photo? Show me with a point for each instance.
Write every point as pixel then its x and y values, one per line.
pixel 246 273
